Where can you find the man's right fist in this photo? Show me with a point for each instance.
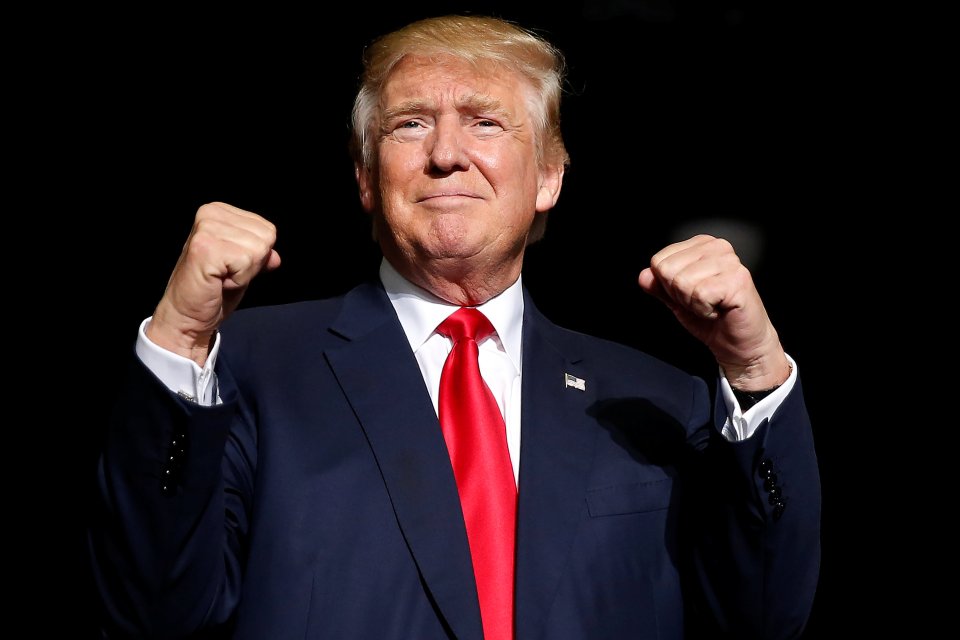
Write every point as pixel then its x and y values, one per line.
pixel 226 248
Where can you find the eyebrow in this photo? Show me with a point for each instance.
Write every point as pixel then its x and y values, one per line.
pixel 476 102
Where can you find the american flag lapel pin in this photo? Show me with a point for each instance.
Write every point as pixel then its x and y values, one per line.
pixel 573 381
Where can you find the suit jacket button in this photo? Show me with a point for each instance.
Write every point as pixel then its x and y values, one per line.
pixel 778 510
pixel 766 468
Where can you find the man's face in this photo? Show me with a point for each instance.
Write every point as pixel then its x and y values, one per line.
pixel 457 184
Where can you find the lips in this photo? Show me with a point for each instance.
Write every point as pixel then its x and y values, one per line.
pixel 447 194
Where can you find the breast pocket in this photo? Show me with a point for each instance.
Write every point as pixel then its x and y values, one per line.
pixel 637 497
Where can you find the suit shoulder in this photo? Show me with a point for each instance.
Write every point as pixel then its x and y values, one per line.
pixel 278 318
pixel 604 354
pixel 628 379
pixel 626 364
pixel 270 332
pixel 287 314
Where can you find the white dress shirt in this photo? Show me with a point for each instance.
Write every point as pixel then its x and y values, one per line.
pixel 420 312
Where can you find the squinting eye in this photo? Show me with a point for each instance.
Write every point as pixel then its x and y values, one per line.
pixel 410 124
pixel 487 123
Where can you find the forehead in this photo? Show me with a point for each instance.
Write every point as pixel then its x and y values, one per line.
pixel 440 80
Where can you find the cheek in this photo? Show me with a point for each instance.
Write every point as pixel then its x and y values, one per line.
pixel 502 162
pixel 396 157
pixel 510 175
pixel 397 175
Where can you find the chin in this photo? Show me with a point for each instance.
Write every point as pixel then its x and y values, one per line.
pixel 453 236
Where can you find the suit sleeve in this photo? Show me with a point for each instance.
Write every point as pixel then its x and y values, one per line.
pixel 757 553
pixel 173 486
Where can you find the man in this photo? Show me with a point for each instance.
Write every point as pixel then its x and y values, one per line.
pixel 292 471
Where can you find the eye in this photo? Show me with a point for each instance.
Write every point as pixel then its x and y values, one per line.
pixel 487 127
pixel 406 130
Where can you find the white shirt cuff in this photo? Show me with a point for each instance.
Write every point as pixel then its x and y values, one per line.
pixel 741 425
pixel 181 375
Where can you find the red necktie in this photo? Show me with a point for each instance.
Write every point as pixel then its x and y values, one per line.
pixel 476 437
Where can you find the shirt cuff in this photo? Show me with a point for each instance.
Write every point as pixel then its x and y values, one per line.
pixel 741 425
pixel 182 376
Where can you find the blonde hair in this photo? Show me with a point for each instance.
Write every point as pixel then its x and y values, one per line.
pixel 481 41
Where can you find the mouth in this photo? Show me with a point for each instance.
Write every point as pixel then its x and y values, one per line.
pixel 447 195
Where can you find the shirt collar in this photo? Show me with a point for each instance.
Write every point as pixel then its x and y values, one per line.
pixel 420 311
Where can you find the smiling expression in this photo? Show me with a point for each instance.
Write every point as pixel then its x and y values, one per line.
pixel 457 182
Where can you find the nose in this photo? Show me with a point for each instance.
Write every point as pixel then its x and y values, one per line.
pixel 447 151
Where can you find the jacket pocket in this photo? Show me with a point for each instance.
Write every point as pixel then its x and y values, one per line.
pixel 630 498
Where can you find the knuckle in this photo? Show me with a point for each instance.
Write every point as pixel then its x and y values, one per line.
pixel 208 210
pixel 271 231
pixel 682 282
pixel 204 227
pixel 201 243
pixel 722 245
pixel 264 247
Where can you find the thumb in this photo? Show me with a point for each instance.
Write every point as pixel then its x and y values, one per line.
pixel 233 292
pixel 273 260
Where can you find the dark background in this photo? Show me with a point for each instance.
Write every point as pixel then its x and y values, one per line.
pixel 728 117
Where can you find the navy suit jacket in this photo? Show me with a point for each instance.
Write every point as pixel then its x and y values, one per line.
pixel 318 500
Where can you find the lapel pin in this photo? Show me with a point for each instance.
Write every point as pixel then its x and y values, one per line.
pixel 573 381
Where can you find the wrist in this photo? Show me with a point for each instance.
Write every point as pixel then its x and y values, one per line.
pixel 761 375
pixel 188 344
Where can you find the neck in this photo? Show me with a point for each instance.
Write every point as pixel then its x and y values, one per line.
pixel 459 283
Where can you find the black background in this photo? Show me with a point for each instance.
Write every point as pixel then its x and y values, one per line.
pixel 679 115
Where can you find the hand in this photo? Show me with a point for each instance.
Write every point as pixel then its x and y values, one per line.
pixel 226 248
pixel 713 296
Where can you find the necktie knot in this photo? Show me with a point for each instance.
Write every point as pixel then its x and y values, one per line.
pixel 466 322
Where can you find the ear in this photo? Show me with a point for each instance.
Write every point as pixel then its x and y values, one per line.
pixel 365 183
pixel 551 179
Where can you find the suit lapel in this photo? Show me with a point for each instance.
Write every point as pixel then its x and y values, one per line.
pixel 381 379
pixel 557 443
